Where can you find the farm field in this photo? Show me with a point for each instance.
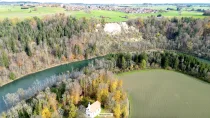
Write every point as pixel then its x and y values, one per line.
pixel 111 16
pixel 17 12
pixel 166 94
pixel 117 16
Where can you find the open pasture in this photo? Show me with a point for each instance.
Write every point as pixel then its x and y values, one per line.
pixel 166 94
pixel 17 12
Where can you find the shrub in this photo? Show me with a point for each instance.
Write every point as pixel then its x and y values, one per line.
pixel 12 76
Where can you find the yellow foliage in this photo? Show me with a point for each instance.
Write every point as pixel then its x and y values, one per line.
pixel 123 96
pixel 113 85
pixel 102 93
pixel 120 83
pixel 208 25
pixel 14 21
pixel 46 113
pixel 125 111
pixel 117 111
pixel 117 95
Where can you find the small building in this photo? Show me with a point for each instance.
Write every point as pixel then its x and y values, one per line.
pixel 93 110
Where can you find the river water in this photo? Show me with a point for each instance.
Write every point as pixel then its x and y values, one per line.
pixel 27 81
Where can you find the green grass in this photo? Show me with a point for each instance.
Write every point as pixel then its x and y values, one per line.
pixel 166 94
pixel 103 111
pixel 17 12
pixel 114 16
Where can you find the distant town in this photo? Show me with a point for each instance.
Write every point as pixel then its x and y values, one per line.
pixel 138 9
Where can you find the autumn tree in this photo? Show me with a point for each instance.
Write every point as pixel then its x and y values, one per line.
pixel 125 111
pixel 113 85
pixel 117 96
pixel 117 111
pixel 72 110
pixel 46 113
pixel 75 92
pixel 102 93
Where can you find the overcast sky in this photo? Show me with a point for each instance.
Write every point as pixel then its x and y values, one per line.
pixel 119 1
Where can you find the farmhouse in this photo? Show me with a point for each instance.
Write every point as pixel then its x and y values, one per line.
pixel 93 110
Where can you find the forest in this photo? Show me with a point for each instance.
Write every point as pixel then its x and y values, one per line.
pixel 34 44
pixel 68 95
pixel 167 60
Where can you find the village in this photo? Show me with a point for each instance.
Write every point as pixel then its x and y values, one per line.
pixel 124 9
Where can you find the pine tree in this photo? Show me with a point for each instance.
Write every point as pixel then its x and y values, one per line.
pixel 4 60
pixel 123 63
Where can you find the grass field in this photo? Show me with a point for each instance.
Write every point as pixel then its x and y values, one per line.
pixel 166 94
pixel 17 12
pixel 115 16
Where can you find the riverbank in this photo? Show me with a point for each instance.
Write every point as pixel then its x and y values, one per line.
pixel 51 66
pixel 63 63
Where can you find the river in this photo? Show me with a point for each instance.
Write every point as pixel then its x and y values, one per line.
pixel 27 81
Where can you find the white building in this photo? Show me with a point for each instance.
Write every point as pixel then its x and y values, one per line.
pixel 93 110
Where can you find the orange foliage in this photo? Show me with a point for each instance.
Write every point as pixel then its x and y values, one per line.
pixel 19 63
pixel 120 82
pixel 1 68
pixel 139 22
pixel 80 57
pixel 71 57
pixel 63 58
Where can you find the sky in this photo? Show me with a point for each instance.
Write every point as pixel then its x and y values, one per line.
pixel 119 1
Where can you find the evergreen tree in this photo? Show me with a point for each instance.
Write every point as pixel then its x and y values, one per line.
pixel 123 63
pixel 28 49
pixel 176 63
pixel 4 60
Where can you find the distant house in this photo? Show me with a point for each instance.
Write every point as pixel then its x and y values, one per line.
pixel 93 110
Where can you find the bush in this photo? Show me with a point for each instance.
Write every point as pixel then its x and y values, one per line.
pixel 159 15
pixel 12 76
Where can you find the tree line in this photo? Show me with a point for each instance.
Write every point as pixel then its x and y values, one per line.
pixel 167 60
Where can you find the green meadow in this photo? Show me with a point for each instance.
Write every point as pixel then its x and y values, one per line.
pixel 17 12
pixel 117 16
pixel 166 94
pixel 111 16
